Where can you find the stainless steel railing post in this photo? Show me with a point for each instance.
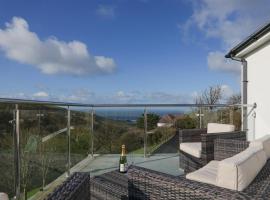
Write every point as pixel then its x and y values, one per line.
pixel 16 139
pixel 200 115
pixel 92 132
pixel 145 133
pixel 68 141
pixel 231 115
pixel 254 124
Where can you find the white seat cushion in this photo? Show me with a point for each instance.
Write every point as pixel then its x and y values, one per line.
pixel 207 174
pixel 238 172
pixel 264 142
pixel 219 128
pixel 3 196
pixel 192 148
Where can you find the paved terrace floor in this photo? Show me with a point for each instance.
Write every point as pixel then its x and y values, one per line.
pixel 167 163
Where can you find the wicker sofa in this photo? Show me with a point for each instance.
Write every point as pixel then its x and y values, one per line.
pixel 76 187
pixel 145 184
pixel 148 184
pixel 189 162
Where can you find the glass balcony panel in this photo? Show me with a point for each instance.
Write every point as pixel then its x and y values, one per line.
pixel 53 146
pixel 80 135
pixel 112 128
pixel 43 147
pixel 30 137
pixel 6 149
pixel 44 139
pixel 235 117
pixel 161 130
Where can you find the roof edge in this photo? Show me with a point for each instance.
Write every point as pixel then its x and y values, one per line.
pixel 249 40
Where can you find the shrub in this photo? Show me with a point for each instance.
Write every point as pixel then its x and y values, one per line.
pixel 186 122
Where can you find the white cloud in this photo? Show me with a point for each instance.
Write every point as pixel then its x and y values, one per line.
pixel 161 97
pixel 104 62
pixel 50 56
pixel 217 61
pixel 40 94
pixel 120 94
pixel 82 95
pixel 86 96
pixel 79 95
pixel 150 97
pixel 106 11
pixel 20 95
pixel 227 91
pixel 228 21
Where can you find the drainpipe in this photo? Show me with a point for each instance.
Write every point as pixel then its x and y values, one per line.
pixel 243 92
pixel 244 95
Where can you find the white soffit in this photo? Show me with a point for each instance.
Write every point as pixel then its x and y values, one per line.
pixel 254 46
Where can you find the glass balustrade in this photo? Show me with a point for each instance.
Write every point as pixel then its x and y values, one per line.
pixel 56 139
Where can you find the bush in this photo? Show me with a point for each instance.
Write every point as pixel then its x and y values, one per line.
pixel 132 139
pixel 152 120
pixel 185 122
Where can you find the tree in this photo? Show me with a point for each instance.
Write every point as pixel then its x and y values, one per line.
pixel 152 120
pixel 234 99
pixel 235 113
pixel 185 122
pixel 46 150
pixel 211 96
pixel 132 138
pixel 27 154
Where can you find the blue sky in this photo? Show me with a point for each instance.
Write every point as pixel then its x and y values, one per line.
pixel 122 51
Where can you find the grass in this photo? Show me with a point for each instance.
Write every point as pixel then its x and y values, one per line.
pixel 150 149
pixel 32 192
pixel 137 151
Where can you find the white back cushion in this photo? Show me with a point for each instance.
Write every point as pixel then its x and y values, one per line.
pixel 264 142
pixel 219 128
pixel 238 172
pixel 206 174
pixel 3 196
pixel 192 148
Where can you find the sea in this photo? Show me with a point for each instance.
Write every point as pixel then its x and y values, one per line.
pixel 131 115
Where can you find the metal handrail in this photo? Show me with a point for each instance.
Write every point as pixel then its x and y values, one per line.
pixel 37 102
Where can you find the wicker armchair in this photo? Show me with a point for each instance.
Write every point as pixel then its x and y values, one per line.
pixel 226 148
pixel 190 163
pixel 149 184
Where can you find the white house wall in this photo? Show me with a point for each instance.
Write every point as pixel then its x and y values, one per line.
pixel 259 91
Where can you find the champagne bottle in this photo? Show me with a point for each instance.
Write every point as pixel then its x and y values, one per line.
pixel 123 160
